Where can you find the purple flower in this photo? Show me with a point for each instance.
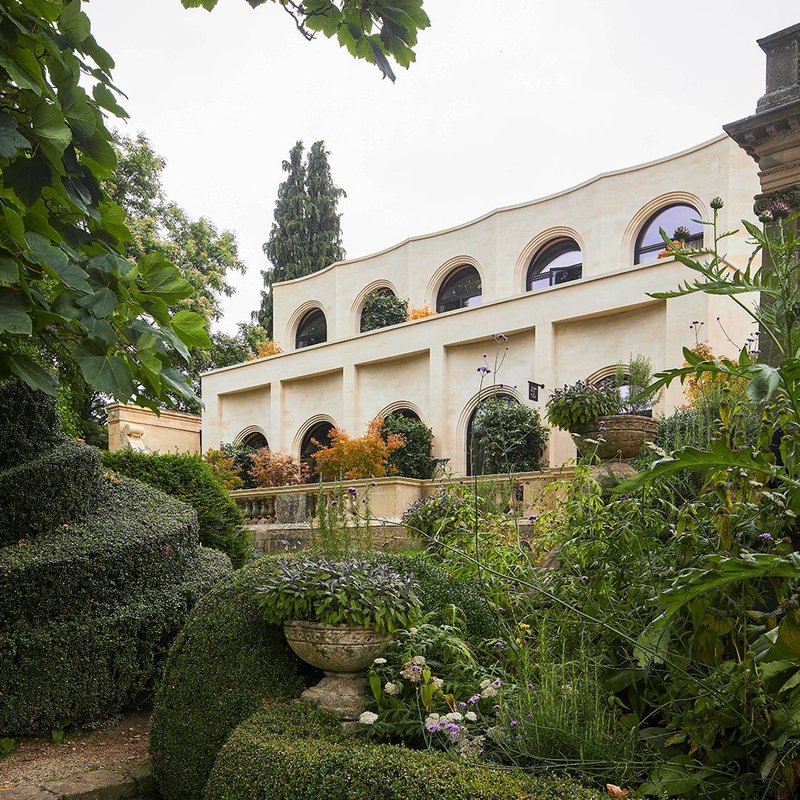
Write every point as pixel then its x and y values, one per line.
pixel 780 209
pixel 584 579
pixel 334 502
pixel 433 727
pixel 462 704
pixel 766 537
pixel 373 484
pixel 500 337
pixel 513 723
pixel 474 699
pixel 532 517
pixel 498 645
pixel 530 686
pixel 351 489
pixel 495 708
pixel 483 369
pixel 453 729
pixel 498 683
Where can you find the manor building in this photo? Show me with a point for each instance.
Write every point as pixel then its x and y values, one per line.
pixel 566 278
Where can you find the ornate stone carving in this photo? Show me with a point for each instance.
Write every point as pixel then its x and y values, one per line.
pixel 790 195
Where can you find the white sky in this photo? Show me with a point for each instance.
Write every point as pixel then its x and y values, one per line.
pixel 508 100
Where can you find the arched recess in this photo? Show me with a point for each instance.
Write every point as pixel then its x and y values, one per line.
pixel 536 244
pixel 319 428
pixel 252 436
pixel 297 317
pixel 466 416
pixel 443 272
pixel 403 407
pixel 358 303
pixel 641 217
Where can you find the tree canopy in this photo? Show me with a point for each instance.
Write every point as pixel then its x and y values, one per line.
pixel 306 234
pixel 69 297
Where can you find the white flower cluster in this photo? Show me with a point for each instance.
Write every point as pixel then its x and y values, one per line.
pixel 368 718
pixel 437 682
pixel 471 748
pixel 392 688
pixel 471 716
pixel 379 661
pixel 488 688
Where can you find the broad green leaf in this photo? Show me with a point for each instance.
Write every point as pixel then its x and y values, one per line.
pixel 208 5
pixel 78 112
pixel 104 372
pixel 105 98
pixel 111 263
pixel 101 303
pixel 74 23
pixel 191 328
pixel 9 269
pixel 49 126
pixel 23 69
pixel 11 140
pixel 41 252
pixel 49 9
pixel 29 371
pixel 764 383
pixel 14 308
pixel 27 177
pixel 100 56
pixel 16 227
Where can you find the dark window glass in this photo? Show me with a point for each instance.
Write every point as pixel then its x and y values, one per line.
pixel 557 262
pixel 649 242
pixel 476 449
pixel 318 436
pixel 255 440
pixel 312 330
pixel 462 289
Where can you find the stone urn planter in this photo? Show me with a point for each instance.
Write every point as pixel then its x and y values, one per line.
pixel 624 436
pixel 345 654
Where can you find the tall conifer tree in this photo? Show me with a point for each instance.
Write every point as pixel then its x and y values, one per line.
pixel 306 234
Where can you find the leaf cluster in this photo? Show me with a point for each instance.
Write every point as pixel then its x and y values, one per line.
pixel 67 293
pixel 361 457
pixel 277 469
pixel 361 594
pixel 581 404
pixel 381 309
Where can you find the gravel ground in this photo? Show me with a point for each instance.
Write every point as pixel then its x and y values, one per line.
pixel 117 744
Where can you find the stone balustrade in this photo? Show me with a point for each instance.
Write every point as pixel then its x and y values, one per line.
pixel 282 518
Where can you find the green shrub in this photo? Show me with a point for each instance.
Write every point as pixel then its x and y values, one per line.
pixel 48 491
pixel 28 423
pixel 413 459
pixel 137 539
pixel 581 404
pixel 304 756
pixel 507 437
pixel 381 309
pixel 190 479
pixel 92 665
pixel 227 660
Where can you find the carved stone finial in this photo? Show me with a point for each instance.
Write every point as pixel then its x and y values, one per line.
pixel 783 68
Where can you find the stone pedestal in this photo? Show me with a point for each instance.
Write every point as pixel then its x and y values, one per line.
pixel 771 136
pixel 345 694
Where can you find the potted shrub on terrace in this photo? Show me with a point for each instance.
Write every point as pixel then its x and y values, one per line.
pixel 336 615
pixel 611 420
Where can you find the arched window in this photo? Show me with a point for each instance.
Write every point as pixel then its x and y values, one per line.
pixel 559 261
pixel 476 449
pixel 317 436
pixel 679 221
pixel 313 329
pixel 255 440
pixel 381 308
pixel 462 289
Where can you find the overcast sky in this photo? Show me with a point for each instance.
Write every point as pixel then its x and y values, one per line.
pixel 508 100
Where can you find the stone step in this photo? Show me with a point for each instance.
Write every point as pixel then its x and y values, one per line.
pixel 101 784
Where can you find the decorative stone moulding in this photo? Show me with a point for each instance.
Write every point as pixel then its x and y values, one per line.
pixel 344 653
pixel 619 436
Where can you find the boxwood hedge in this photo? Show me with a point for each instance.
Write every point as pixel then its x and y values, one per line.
pixel 28 423
pixel 298 753
pixel 91 665
pixel 227 661
pixel 51 489
pixel 191 480
pixel 137 539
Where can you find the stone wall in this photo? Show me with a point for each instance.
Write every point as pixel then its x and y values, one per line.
pixel 142 429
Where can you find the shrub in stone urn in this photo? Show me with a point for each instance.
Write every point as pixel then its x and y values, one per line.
pixel 336 615
pixel 610 420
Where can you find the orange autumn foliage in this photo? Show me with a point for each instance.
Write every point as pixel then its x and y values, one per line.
pixel 708 387
pixel 363 457
pixel 269 348
pixel 421 312
pixel 277 469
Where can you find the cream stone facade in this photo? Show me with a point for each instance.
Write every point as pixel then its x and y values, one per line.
pixel 142 429
pixel 556 334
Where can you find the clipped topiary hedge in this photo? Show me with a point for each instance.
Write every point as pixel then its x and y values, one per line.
pixel 89 666
pixel 52 489
pixel 297 753
pixel 28 423
pixel 191 480
pixel 227 661
pixel 138 539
